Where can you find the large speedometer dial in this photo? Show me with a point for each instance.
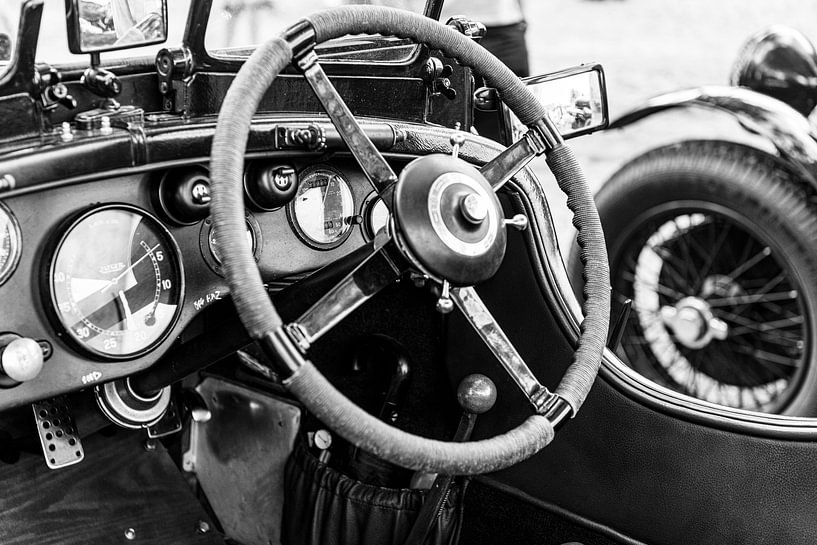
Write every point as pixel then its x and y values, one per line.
pixel 323 210
pixel 116 282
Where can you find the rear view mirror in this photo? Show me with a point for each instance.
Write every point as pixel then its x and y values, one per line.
pixel 575 100
pixel 110 25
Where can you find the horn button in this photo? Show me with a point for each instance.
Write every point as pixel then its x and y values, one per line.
pixel 448 220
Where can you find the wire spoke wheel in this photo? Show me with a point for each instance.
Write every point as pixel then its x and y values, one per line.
pixel 716 314
pixel 716 244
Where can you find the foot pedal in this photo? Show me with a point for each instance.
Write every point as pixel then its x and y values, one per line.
pixel 58 432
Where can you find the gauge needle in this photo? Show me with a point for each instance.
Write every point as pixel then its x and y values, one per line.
pixel 126 308
pixel 126 271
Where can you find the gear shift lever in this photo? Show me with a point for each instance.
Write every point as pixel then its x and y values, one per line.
pixel 476 395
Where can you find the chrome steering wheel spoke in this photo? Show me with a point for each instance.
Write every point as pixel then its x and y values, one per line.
pixel 376 272
pixel 374 166
pixel 489 330
pixel 504 166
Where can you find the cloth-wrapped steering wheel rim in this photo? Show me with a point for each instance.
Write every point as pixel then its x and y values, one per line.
pixel 262 321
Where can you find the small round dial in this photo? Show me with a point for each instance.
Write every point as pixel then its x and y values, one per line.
pixel 375 215
pixel 323 210
pixel 9 243
pixel 116 282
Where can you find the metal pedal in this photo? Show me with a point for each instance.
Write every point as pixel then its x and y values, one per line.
pixel 58 432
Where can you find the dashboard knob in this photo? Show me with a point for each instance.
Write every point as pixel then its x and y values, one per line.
pixel 270 186
pixel 21 359
pixel 184 195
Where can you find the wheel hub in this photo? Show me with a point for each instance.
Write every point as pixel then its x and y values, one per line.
pixel 448 220
pixel 693 323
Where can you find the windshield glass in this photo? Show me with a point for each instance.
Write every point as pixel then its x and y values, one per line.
pixel 237 26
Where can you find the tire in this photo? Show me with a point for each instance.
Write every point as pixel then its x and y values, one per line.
pixel 716 243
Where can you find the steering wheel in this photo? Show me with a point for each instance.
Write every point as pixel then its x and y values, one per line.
pixel 446 223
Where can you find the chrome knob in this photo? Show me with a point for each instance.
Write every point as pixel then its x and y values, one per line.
pixel 518 222
pixel 473 208
pixel 457 140
pixel 476 394
pixel 22 359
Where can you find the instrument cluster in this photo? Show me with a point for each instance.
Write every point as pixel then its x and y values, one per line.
pixel 120 267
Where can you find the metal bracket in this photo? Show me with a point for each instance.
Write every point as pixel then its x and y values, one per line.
pixel 302 39
pixel 172 65
pixel 169 424
pixel 310 137
pixel 473 29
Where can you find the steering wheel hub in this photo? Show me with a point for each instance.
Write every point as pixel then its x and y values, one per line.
pixel 449 220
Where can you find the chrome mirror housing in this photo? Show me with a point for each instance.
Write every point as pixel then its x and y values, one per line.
pixel 575 100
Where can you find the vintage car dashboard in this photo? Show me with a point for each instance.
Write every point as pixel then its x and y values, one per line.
pixel 107 256
pixel 106 270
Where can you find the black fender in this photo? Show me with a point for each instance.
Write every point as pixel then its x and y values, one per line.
pixel 784 128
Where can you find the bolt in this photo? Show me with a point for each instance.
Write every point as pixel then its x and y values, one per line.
pixel 419 280
pixel 105 126
pixel 444 305
pixel 65 132
pixel 474 208
pixel 150 445
pixel 202 527
pixel 130 534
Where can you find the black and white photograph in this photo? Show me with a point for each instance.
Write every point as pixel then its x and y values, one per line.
pixel 408 272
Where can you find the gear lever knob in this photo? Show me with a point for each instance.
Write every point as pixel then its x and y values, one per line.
pixel 476 394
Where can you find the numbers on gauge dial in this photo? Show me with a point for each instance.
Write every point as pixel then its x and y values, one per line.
pixel 116 282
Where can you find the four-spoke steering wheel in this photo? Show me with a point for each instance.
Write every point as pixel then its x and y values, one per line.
pixel 446 223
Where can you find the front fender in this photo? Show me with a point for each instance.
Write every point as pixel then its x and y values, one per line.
pixel 783 127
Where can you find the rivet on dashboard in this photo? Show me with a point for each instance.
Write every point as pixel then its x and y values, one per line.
pixel 7 181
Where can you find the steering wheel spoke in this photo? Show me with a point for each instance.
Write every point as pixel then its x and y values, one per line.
pixel 504 166
pixel 489 330
pixel 377 170
pixel 375 273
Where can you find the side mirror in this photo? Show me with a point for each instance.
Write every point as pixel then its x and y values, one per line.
pixel 575 100
pixel 110 25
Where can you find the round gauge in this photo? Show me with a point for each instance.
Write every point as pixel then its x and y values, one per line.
pixel 116 282
pixel 209 245
pixel 323 210
pixel 376 215
pixel 213 243
pixel 10 243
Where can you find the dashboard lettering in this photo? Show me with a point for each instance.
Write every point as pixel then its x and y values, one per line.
pixel 91 377
pixel 201 302
pixel 111 267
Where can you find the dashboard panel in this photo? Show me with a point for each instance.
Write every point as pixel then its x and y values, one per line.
pixel 109 278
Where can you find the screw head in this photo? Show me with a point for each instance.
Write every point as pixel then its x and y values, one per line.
pixel 202 527
pixel 444 305
pixel 130 534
